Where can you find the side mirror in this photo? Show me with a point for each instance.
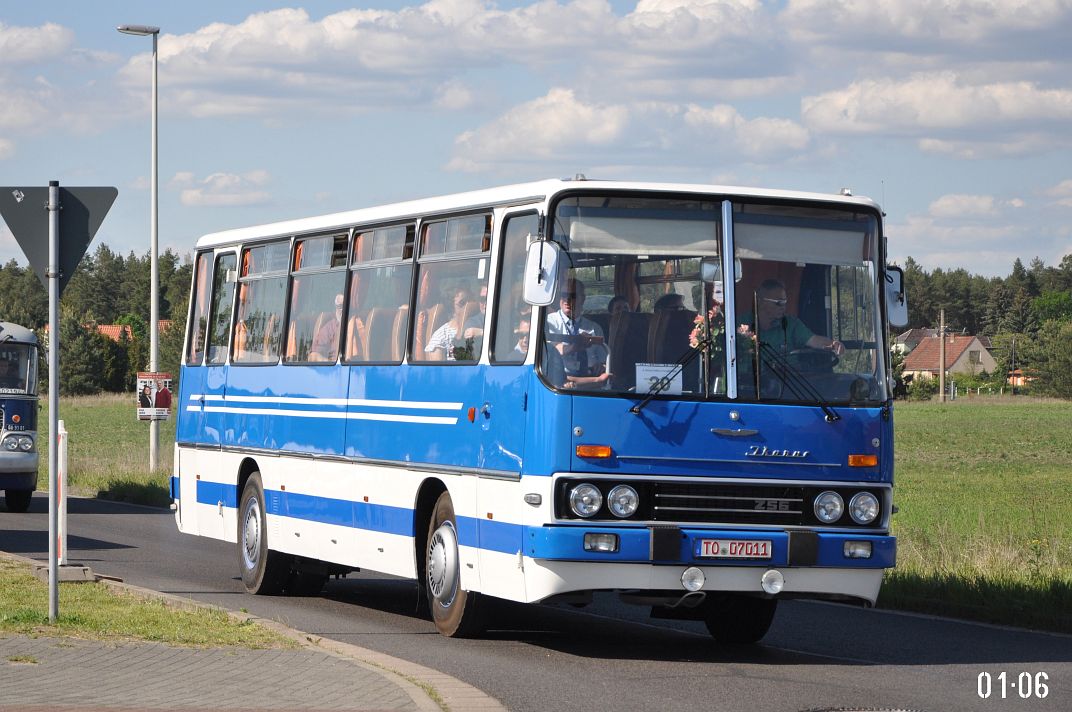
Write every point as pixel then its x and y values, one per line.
pixel 711 269
pixel 541 272
pixel 896 303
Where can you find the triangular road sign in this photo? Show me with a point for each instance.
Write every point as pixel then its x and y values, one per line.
pixel 82 210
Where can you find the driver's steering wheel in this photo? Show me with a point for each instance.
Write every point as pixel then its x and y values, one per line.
pixel 814 359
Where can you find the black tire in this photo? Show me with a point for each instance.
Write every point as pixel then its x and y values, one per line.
pixel 264 571
pixel 455 611
pixel 17 501
pixel 739 620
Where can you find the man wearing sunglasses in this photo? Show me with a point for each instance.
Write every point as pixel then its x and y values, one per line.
pixel 782 331
pixel 579 341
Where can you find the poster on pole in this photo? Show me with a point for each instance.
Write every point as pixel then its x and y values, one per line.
pixel 154 395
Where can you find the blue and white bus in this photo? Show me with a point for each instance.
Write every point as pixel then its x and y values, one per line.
pixel 360 391
pixel 18 415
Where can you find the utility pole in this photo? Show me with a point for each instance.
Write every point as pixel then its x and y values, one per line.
pixel 941 355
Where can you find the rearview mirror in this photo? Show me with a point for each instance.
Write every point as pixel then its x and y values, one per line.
pixel 711 269
pixel 896 303
pixel 541 272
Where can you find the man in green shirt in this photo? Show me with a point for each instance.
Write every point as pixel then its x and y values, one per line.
pixel 779 330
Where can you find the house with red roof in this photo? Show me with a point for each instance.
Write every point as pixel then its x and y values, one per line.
pixel 963 354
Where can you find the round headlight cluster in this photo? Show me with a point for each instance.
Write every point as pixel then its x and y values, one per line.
pixel 585 500
pixel 623 501
pixel 14 443
pixel 829 507
pixel 864 507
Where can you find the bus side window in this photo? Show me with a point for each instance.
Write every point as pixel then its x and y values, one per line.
pixel 199 315
pixel 261 294
pixel 378 317
pixel 512 315
pixel 316 300
pixel 222 299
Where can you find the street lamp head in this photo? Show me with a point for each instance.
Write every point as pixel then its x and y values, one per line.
pixel 141 30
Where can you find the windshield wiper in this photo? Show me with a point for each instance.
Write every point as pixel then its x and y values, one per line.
pixel 663 383
pixel 795 381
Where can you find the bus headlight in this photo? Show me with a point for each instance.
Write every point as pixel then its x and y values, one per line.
pixel 585 500
pixel 623 501
pixel 14 443
pixel 829 507
pixel 25 443
pixel 863 508
pixel 11 443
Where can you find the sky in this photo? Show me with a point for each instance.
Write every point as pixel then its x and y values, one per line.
pixel 954 115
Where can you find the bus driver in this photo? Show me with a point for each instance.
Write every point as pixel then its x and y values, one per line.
pixel 580 342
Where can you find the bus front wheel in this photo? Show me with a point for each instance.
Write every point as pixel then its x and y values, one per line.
pixel 263 571
pixel 455 611
pixel 738 619
pixel 17 500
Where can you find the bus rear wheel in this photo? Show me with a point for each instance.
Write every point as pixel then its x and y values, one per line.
pixel 17 500
pixel 264 571
pixel 737 619
pixel 455 611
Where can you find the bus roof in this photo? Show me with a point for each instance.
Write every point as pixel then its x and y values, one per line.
pixel 16 333
pixel 518 194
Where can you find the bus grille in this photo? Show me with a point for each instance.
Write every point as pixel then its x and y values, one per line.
pixel 728 504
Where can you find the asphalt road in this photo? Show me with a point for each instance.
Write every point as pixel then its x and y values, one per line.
pixel 606 656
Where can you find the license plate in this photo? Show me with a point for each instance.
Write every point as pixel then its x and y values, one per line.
pixel 733 549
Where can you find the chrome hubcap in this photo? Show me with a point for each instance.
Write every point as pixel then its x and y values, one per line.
pixel 251 534
pixel 443 564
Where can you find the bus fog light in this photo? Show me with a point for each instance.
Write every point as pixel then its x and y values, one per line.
pixel 863 508
pixel 693 579
pixel 623 501
pixel 585 500
pixel 829 507
pixel 772 582
pixel 857 550
pixel 607 543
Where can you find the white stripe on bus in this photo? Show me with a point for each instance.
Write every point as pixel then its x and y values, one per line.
pixel 387 417
pixel 292 400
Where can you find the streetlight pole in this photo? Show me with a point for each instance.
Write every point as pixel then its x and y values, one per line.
pixel 154 277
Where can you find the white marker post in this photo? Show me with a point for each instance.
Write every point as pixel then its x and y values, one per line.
pixel 61 432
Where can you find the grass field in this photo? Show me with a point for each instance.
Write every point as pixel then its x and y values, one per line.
pixel 984 529
pixel 985 523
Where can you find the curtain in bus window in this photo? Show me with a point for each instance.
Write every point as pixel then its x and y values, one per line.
pixel 222 300
pixel 199 314
pixel 513 317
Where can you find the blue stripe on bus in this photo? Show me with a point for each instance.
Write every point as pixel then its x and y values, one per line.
pixel 173 487
pixel 215 493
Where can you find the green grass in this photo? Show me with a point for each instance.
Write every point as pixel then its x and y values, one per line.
pixel 984 529
pixel 92 611
pixel 108 450
pixel 985 523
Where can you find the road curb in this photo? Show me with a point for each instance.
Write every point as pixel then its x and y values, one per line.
pixel 430 690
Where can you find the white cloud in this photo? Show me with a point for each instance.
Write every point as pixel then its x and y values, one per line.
pixel 7 149
pixel 963 206
pixel 902 23
pixel 562 128
pixel 540 129
pixel 222 189
pixel 24 45
pixel 930 101
pixel 1063 192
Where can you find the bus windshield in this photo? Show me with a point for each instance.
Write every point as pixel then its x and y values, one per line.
pixel 643 307
pixel 18 369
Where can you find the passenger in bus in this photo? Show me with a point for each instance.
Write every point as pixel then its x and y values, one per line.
pixel 617 304
pixel 669 302
pixel 474 325
pixel 521 348
pixel 579 341
pixel 782 331
pixel 326 342
pixel 441 345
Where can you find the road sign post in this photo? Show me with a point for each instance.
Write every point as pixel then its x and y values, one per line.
pixel 54 247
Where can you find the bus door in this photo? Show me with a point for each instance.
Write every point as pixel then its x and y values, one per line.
pixel 505 411
pixel 212 390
